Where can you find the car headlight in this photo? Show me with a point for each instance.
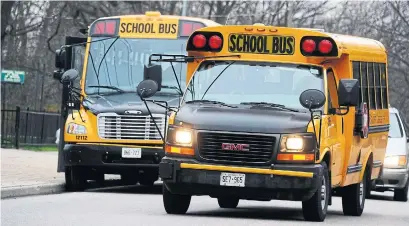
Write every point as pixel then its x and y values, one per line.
pixel 76 129
pixel 397 161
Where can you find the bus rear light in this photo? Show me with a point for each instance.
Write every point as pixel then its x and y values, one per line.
pixel 199 41
pixel 309 46
pixel 325 46
pixel 215 42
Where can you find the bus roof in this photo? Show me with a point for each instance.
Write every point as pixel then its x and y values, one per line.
pixel 196 19
pixel 346 44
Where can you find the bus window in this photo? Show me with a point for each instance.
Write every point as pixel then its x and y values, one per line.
pixel 371 86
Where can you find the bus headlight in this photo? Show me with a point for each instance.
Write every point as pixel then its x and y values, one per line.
pixel 294 143
pixel 179 141
pixel 183 137
pixel 76 129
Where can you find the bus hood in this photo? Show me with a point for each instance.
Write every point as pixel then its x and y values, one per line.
pixel 243 119
pixel 119 103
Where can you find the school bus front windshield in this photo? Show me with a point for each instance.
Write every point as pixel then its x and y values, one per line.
pixel 119 62
pixel 235 82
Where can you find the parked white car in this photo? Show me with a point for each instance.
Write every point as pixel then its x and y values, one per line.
pixel 396 165
pixel 57 137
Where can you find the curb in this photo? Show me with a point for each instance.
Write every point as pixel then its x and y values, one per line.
pixel 22 191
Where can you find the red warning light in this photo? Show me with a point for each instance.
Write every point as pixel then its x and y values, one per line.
pixel 215 42
pixel 199 41
pixel 325 46
pixel 308 45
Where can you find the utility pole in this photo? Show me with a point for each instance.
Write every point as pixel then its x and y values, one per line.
pixel 184 6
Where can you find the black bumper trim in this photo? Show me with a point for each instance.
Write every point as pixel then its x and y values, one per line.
pixel 106 156
pixel 257 186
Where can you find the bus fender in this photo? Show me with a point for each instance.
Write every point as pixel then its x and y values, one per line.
pixel 323 154
pixel 367 160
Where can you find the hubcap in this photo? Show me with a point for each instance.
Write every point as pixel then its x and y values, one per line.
pixel 361 192
pixel 323 193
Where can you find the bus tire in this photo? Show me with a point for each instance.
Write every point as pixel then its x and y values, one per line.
pixel 353 197
pixel 315 209
pixel 75 179
pixel 401 194
pixel 174 203
pixel 228 202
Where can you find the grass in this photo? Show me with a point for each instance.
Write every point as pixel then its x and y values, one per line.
pixel 39 147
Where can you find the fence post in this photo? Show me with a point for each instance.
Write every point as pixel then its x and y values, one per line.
pixel 17 127
pixel 25 131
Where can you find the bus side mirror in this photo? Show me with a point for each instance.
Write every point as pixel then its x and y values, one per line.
pixel 348 93
pixel 70 75
pixel 153 72
pixel 312 99
pixel 147 88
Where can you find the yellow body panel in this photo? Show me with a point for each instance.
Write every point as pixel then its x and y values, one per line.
pixel 338 140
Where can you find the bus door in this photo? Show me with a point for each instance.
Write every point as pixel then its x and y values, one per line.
pixel 334 130
pixel 68 57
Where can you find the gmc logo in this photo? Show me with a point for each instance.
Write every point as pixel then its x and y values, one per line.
pixel 235 147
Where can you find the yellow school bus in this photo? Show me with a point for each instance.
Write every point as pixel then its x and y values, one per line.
pixel 110 130
pixel 276 113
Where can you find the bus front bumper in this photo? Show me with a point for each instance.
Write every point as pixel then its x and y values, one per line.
pixel 282 182
pixel 109 157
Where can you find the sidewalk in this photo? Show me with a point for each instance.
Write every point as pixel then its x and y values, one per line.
pixel 26 172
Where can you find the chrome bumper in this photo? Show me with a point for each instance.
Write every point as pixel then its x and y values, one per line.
pixel 392 178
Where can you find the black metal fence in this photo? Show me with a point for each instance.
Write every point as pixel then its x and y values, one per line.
pixel 20 127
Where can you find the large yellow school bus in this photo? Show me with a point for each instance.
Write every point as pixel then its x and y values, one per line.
pixel 110 130
pixel 276 113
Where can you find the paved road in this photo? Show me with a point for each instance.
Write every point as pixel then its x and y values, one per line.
pixel 142 206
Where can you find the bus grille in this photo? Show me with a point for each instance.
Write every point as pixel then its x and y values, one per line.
pixel 260 149
pixel 133 127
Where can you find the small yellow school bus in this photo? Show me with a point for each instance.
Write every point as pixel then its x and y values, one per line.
pixel 110 130
pixel 276 113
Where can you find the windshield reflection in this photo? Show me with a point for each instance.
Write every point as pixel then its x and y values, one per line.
pixel 253 82
pixel 123 64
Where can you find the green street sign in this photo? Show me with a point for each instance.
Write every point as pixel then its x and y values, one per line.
pixel 12 76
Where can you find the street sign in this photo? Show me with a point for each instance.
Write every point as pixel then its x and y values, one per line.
pixel 11 76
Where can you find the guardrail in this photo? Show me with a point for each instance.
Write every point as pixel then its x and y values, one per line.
pixel 20 127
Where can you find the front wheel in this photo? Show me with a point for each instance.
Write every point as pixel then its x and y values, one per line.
pixel 402 193
pixel 228 202
pixel 353 197
pixel 315 209
pixel 174 203
pixel 75 179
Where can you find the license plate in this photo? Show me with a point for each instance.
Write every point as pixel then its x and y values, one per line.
pixel 232 179
pixel 131 153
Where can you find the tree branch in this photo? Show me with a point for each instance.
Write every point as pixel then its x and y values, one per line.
pixel 56 29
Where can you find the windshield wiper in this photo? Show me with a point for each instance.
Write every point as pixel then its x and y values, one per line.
pixel 119 90
pixel 210 102
pixel 273 105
